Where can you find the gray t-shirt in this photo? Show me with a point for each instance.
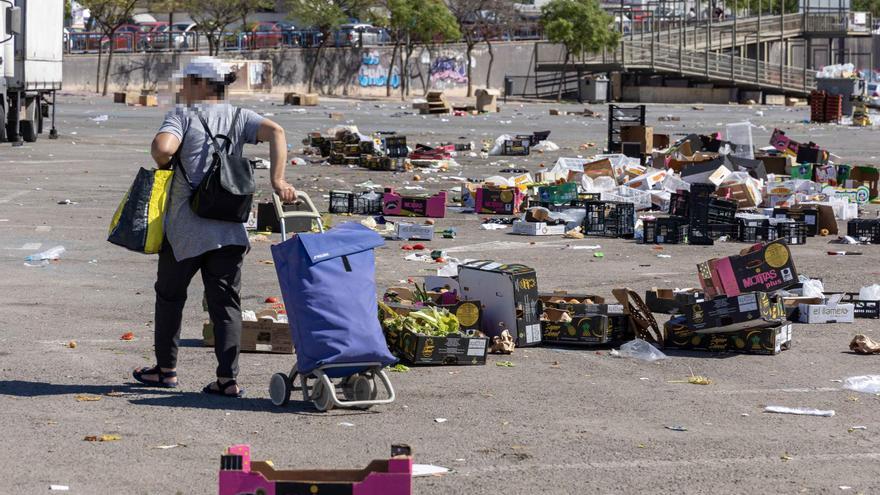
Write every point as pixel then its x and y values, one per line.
pixel 189 234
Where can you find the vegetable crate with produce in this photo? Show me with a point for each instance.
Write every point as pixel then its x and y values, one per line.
pixel 430 335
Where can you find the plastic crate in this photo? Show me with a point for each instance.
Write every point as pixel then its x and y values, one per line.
pixel 395 146
pixel 665 230
pixel 805 214
pixel 721 211
pixel 702 234
pixel 516 147
pixel 702 193
pixel 678 203
pixel 861 309
pixel 865 230
pixel 756 230
pixel 623 194
pixel 355 204
pixel 609 219
pixel 558 194
pixel 792 232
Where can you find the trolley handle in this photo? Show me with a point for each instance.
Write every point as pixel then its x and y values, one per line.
pixel 282 215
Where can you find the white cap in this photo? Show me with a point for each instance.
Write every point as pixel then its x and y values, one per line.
pixel 209 68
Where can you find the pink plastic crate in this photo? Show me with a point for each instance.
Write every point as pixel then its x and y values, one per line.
pixel 397 204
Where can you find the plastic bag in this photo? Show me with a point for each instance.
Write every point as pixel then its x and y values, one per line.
pixel 800 411
pixel 812 287
pixel 49 254
pixel 641 349
pixel 868 384
pixel 499 144
pixel 604 184
pixel 869 293
pixel 545 146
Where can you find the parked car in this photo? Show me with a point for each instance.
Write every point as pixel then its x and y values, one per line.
pixel 151 36
pixel 183 35
pixel 124 40
pixel 360 35
pixel 263 35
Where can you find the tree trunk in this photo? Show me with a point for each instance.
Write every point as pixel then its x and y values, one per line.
pixel 562 78
pixel 426 85
pixel 406 79
pixel 470 83
pixel 314 68
pixel 109 63
pixel 391 68
pixel 98 70
pixel 491 61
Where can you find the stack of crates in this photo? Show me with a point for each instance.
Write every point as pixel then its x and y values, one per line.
pixel 792 232
pixel 665 230
pixel 619 117
pixel 864 230
pixel 610 219
pixel 808 215
pixel 754 230
pixel 833 108
pixel 817 106
pixel 710 218
pixel 558 194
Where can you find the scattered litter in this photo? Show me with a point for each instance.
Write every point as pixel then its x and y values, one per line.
pixel 869 384
pixel 49 254
pixel 598 254
pixel 87 398
pixel 582 247
pixel 859 427
pixel 102 438
pixel 676 428
pixel 172 446
pixel 640 349
pixel 492 226
pixel 399 368
pixel 786 457
pixel 67 202
pixel 862 344
pixel 346 424
pixel 127 336
pixel 72 344
pixel 664 256
pixel 428 470
pixel 505 364
pixel 59 488
pixel 801 411
pixel 100 118
pixel 440 420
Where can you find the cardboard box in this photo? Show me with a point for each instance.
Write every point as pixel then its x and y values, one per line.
pixel 644 135
pixel 408 231
pixel 859 196
pixel 450 350
pixel 746 194
pixel 583 330
pixel 536 228
pixel 766 340
pixel 777 164
pixel 257 336
pixel 762 267
pixel 413 206
pixel 600 168
pixel 865 176
pixel 726 314
pixel 671 302
pixel 802 171
pixel 825 313
pixel 499 201
pixel 301 99
pixel 508 294
pixel 647 180
pixel 487 100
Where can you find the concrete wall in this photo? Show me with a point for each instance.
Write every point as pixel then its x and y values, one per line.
pixel 356 72
pixel 655 94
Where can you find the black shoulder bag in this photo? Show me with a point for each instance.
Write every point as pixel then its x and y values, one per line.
pixel 227 190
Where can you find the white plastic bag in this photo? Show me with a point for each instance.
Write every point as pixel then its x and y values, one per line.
pixel 498 147
pixel 869 293
pixel 641 349
pixel 545 146
pixel 812 287
pixel 869 384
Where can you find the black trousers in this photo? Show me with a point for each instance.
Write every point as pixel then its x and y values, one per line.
pixel 221 275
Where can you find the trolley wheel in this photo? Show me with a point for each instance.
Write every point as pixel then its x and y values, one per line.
pixel 321 396
pixel 359 387
pixel 279 389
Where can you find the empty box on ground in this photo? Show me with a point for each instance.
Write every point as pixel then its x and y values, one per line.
pixel 509 295
pixel 499 200
pixel 579 319
pixel 827 313
pixel 263 335
pixel 672 301
pixel 766 340
pixel 536 228
pixel 762 267
pixel 725 314
pixel 394 203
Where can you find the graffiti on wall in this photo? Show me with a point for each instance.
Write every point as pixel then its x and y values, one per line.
pixel 373 73
pixel 448 71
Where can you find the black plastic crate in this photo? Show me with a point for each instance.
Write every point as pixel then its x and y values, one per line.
pixel 756 230
pixel 701 234
pixel 701 193
pixel 864 229
pixel 715 211
pixel 355 204
pixel 678 203
pixel 395 146
pixel 807 215
pixel 618 117
pixel 516 147
pixel 792 232
pixel 609 219
pixel 664 230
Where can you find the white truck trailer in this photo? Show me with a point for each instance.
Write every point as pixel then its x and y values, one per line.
pixel 31 47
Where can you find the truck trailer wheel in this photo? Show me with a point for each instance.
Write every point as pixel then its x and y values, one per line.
pixel 28 131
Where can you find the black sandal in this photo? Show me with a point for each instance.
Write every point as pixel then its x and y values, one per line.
pixel 222 388
pixel 155 370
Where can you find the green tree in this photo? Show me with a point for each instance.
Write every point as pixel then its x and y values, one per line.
pixel 471 17
pixel 581 26
pixel 431 23
pixel 325 16
pixel 109 15
pixel 401 14
pixel 872 6
pixel 212 18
